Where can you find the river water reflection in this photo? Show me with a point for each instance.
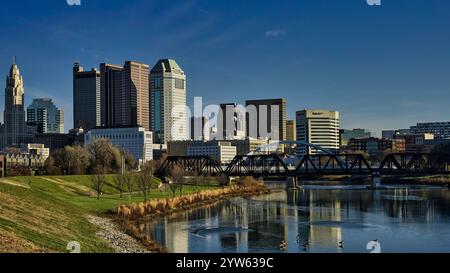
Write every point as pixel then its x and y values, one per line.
pixel 403 219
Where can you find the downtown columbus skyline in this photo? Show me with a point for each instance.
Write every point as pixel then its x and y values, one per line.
pixel 377 69
pixel 190 102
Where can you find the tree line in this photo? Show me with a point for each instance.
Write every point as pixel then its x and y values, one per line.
pixel 145 180
pixel 101 156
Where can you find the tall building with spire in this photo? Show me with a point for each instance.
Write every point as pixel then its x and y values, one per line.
pixel 14 113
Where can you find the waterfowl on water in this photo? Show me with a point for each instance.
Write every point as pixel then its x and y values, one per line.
pixel 306 244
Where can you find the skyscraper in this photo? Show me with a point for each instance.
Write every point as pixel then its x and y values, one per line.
pixel 14 113
pixel 135 94
pixel 111 94
pixel 270 119
pixel 230 122
pixel 168 112
pixel 86 98
pixel 291 130
pixel 319 127
pixel 291 135
pixel 124 95
pixel 46 115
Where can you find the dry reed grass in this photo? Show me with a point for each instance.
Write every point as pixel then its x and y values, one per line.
pixel 244 187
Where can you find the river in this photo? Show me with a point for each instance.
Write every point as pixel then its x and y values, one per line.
pixel 314 219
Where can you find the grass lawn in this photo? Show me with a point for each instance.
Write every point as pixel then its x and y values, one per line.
pixel 51 212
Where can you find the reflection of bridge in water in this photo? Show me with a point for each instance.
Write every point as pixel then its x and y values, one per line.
pixel 326 163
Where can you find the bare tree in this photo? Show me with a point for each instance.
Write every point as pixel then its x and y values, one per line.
pixel 104 155
pixel 177 175
pixel 61 161
pixel 197 179
pixel 78 159
pixel 145 178
pixel 173 188
pixel 128 181
pixel 50 167
pixel 120 181
pixel 98 181
pixel 223 180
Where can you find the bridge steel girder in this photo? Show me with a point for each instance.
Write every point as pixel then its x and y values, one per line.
pixel 257 165
pixel 323 164
pixel 197 165
pixel 415 163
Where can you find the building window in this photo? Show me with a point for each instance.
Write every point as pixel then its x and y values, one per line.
pixel 158 82
pixel 179 83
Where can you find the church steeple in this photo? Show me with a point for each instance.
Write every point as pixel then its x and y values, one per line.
pixel 14 86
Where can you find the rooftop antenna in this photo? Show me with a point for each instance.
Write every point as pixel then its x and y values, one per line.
pixel 14 59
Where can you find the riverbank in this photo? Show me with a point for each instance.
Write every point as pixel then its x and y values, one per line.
pixel 344 180
pixel 118 240
pixel 131 217
pixel 44 213
pixel 438 180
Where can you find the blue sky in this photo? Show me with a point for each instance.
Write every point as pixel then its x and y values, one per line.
pixel 382 67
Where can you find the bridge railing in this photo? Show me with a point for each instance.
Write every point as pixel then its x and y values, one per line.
pixel 257 165
pixel 198 165
pixel 415 163
pixel 320 164
pixel 335 163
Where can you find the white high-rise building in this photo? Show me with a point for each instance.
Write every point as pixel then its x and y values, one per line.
pixel 318 127
pixel 168 114
pixel 223 152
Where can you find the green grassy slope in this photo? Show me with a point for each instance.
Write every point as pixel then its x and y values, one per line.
pixel 51 212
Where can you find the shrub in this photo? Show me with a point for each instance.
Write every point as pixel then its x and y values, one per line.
pixel 249 182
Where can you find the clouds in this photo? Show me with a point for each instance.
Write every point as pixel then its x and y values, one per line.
pixel 275 33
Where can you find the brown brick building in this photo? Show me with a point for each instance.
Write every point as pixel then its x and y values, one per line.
pixel 373 145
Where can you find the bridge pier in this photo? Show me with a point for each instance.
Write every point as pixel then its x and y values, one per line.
pixel 376 181
pixel 292 183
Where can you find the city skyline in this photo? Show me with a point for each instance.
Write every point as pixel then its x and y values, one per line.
pixel 250 133
pixel 324 70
